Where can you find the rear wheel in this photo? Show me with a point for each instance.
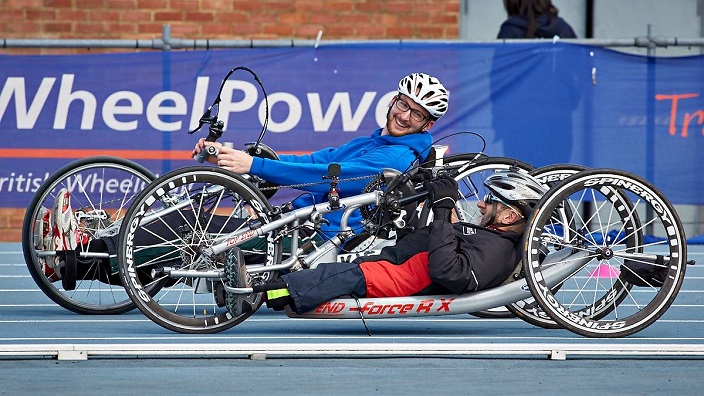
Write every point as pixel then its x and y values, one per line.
pixel 529 310
pixel 102 189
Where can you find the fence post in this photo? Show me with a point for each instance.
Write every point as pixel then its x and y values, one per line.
pixel 166 37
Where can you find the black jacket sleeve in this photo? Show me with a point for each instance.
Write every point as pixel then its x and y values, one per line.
pixel 463 258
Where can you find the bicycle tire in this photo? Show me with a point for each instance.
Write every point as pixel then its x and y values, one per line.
pixel 602 235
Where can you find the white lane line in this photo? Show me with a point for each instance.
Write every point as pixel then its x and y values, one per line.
pixel 26 305
pixel 287 337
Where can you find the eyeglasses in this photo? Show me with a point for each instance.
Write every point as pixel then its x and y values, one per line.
pixel 416 115
pixel 490 198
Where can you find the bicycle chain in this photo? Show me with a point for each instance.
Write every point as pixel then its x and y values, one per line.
pixel 316 183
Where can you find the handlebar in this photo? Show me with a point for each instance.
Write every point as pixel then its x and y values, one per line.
pixel 216 126
pixel 412 198
pixel 214 133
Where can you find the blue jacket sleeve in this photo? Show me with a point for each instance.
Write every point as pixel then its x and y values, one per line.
pixel 320 156
pixel 311 168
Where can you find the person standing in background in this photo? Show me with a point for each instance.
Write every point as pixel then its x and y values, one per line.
pixel 533 19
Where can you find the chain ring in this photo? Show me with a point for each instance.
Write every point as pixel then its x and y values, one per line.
pixel 372 214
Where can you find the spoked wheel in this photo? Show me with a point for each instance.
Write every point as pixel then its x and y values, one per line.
pixel 170 231
pixel 102 189
pixel 624 286
pixel 470 181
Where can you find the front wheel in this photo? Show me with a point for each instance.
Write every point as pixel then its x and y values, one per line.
pixel 628 281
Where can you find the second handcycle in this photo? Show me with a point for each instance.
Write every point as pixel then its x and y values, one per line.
pixel 579 249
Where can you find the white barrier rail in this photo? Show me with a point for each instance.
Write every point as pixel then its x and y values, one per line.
pixel 358 350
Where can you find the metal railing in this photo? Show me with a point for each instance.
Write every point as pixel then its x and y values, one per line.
pixel 167 42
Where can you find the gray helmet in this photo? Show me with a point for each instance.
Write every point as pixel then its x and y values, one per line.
pixel 427 91
pixel 518 190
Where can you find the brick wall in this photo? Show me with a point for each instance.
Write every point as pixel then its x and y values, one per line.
pixel 11 224
pixel 226 19
pixel 216 19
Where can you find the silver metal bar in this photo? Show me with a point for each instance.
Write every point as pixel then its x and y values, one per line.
pixel 179 273
pixel 206 44
pixel 558 266
pixel 52 253
pixel 350 203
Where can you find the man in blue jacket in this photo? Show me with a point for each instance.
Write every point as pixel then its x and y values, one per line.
pixel 421 101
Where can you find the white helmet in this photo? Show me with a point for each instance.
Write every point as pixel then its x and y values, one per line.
pixel 516 189
pixel 427 91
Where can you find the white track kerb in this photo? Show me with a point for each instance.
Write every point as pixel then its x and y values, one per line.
pixel 264 351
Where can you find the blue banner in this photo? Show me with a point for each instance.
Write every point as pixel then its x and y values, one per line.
pixel 541 103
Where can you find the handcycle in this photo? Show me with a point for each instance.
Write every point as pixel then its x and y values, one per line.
pixel 578 242
pixel 102 188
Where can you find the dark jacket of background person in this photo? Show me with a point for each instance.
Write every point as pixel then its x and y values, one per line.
pixel 533 19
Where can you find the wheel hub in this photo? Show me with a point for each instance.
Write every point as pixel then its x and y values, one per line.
pixel 605 253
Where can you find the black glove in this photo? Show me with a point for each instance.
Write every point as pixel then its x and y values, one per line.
pixel 442 195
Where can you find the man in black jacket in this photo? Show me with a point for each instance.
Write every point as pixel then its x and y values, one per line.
pixel 443 258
